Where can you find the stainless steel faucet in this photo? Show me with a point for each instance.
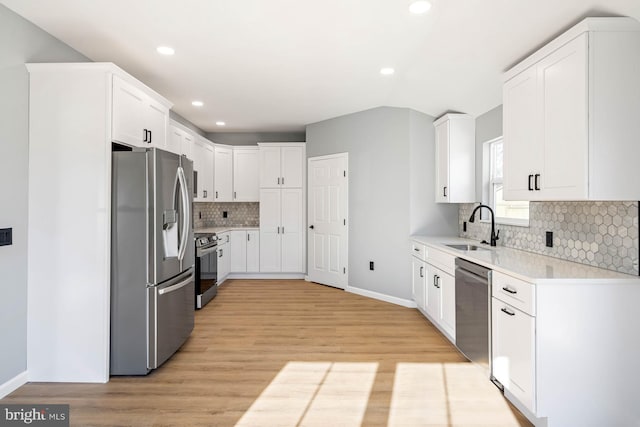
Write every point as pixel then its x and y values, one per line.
pixel 494 236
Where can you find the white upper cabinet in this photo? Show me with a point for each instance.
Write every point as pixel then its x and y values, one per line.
pixel 137 118
pixel 223 180
pixel 180 140
pixel 246 187
pixel 571 116
pixel 281 165
pixel 455 159
pixel 203 164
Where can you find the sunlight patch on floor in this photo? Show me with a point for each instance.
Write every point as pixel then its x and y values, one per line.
pixel 314 394
pixel 450 394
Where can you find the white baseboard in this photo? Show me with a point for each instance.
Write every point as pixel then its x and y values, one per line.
pixel 382 297
pixel 13 384
pixel 274 276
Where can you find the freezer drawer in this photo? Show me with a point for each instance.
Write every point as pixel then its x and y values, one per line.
pixel 171 319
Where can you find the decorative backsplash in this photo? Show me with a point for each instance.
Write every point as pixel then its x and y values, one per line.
pixel 238 214
pixel 601 234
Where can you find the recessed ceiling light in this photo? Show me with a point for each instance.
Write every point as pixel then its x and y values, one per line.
pixel 165 50
pixel 197 103
pixel 387 71
pixel 419 6
pixel 220 123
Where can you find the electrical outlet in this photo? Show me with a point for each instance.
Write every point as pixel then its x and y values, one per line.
pixel 6 236
pixel 549 238
pixel 371 265
pixel 225 214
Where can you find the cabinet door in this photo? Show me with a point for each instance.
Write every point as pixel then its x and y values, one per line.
pixel 433 294
pixel 207 175
pixel 253 251
pixel 199 162
pixel 513 334
pixel 127 121
pixel 291 230
pixel 156 118
pixel 269 167
pixel 448 304
pixel 292 163
pixel 419 279
pixel 442 162
pixel 523 153
pixel 187 145
pixel 224 265
pixel 223 174
pixel 270 230
pixel 563 78
pixel 238 251
pixel 246 187
pixel 174 142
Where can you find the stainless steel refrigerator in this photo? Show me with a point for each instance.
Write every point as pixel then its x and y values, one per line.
pixel 152 259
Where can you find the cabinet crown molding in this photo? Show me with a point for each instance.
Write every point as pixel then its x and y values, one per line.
pixel 586 25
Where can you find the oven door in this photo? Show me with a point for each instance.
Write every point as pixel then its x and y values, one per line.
pixel 206 275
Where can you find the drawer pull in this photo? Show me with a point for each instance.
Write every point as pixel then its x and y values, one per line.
pixel 508 289
pixel 507 311
pixel 416 249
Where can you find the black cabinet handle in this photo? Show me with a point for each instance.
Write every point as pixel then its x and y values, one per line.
pixel 421 271
pixel 438 282
pixel 248 237
pixel 537 182
pixel 283 180
pixel 507 311
pixel 150 137
pixel 204 193
pixel 530 186
pixel 216 194
pixel 311 227
pixel 508 289
pixel 234 195
pixel 444 191
pixel 146 135
pixel 278 180
pixel 220 254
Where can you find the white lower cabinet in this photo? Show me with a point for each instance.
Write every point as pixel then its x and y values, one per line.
pixel 513 351
pixel 224 256
pixel 245 251
pixel 418 282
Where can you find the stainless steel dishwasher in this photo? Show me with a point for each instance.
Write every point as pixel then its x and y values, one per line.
pixel 473 312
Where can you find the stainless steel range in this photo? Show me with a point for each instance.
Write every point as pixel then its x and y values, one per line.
pixel 206 268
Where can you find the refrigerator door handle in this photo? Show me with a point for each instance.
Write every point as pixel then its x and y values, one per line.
pixel 175 287
pixel 184 195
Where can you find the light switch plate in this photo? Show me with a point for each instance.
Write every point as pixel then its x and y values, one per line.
pixel 6 236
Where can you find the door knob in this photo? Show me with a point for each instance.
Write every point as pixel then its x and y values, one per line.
pixel 311 227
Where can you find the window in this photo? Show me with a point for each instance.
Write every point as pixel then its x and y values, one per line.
pixel 507 212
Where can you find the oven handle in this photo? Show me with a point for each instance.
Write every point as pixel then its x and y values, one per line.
pixel 202 252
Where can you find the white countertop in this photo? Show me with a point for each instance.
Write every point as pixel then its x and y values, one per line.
pixel 219 230
pixel 527 266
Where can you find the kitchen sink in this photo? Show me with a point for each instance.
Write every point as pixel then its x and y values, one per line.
pixel 468 247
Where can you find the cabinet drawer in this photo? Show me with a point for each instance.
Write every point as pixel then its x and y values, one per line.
pixel 442 260
pixel 516 292
pixel 419 250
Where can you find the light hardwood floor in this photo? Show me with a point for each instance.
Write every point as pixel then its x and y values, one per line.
pixel 287 353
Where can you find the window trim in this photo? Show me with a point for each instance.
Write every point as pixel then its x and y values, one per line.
pixel 487 193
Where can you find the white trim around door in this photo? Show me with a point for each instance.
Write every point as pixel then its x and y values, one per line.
pixel 328 220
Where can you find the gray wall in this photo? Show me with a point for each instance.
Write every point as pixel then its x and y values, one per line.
pixel 178 118
pixel 20 42
pixel 383 176
pixel 252 138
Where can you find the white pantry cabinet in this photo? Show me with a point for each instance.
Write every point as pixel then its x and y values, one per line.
pixel 203 166
pixel 571 116
pixel 223 181
pixel 246 175
pixel 138 119
pixel 281 230
pixel 68 280
pixel 282 165
pixel 455 159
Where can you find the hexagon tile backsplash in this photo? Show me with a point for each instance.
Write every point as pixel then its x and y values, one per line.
pixel 602 234
pixel 207 214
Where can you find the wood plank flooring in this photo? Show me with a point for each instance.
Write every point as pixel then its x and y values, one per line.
pixel 288 353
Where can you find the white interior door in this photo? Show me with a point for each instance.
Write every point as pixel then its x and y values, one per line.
pixel 328 220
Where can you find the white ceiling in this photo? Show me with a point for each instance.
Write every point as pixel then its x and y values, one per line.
pixel 277 65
